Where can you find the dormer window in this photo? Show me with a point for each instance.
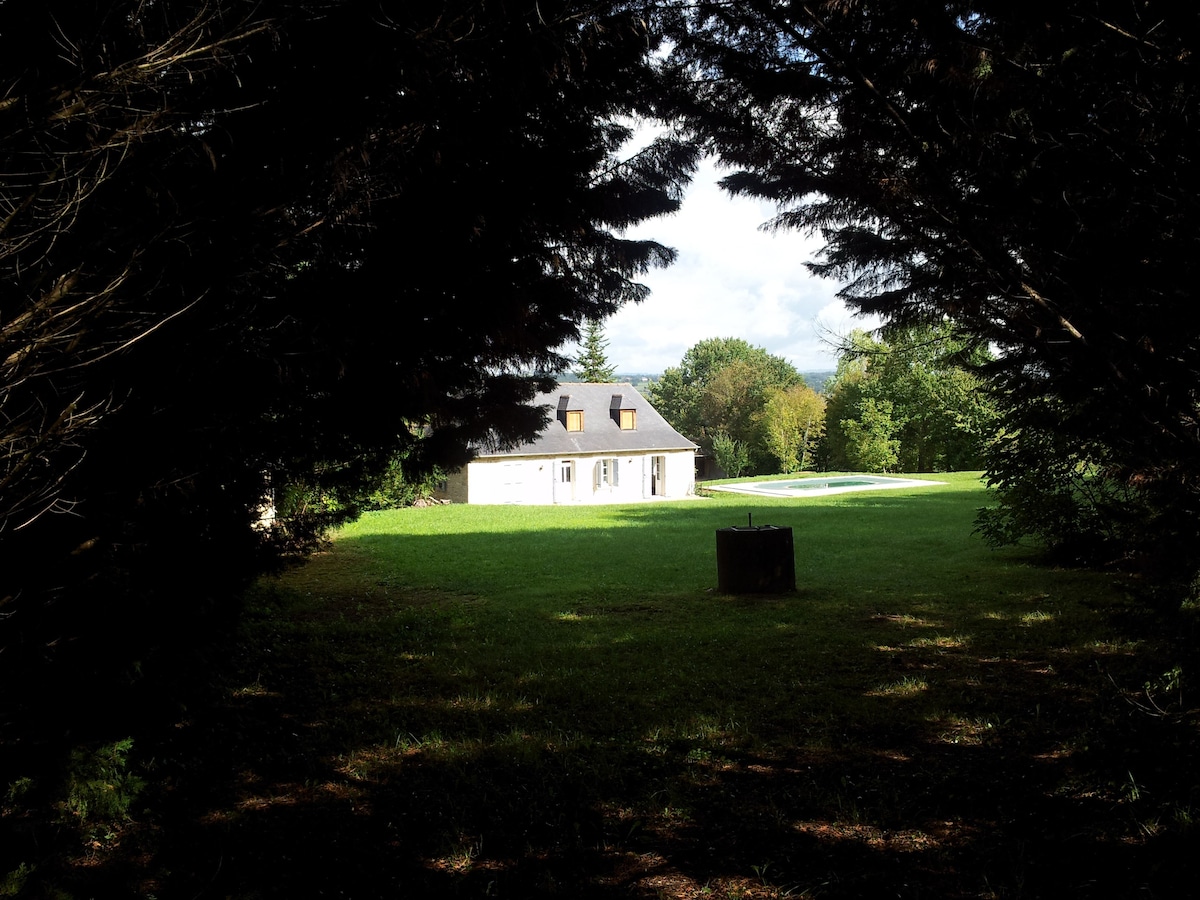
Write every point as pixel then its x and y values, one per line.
pixel 625 417
pixel 572 419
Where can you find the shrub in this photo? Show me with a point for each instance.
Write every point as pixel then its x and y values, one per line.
pixel 100 788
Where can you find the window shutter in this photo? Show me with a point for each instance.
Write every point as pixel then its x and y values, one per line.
pixel 596 476
pixel 614 473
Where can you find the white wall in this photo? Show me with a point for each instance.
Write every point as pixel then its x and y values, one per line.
pixel 681 474
pixel 539 480
pixel 510 481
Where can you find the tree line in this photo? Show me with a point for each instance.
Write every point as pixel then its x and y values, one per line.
pixel 912 403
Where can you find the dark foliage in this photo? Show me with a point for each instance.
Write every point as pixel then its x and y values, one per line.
pixel 252 245
pixel 1026 170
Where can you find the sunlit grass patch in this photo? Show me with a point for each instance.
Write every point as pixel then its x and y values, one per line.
pixel 905 620
pixel 1037 617
pixel 572 617
pixel 700 729
pixel 905 687
pixel 255 689
pixel 474 701
pixel 407 742
pixel 1116 646
pixel 461 858
pixel 904 841
pixel 952 728
pixel 941 642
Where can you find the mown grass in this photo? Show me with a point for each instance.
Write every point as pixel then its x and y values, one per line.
pixel 507 701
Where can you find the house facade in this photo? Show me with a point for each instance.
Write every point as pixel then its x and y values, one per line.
pixel 604 443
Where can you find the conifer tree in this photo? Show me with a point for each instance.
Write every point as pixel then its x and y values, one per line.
pixel 593 361
pixel 229 228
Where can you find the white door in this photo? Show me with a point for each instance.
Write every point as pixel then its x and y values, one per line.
pixel 658 487
pixel 565 486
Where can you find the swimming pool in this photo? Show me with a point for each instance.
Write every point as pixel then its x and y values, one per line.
pixel 819 487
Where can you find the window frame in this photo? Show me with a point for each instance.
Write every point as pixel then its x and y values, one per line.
pixel 607 473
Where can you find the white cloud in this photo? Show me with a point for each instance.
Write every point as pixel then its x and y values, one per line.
pixel 731 279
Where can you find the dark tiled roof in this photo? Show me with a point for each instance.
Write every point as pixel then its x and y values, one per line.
pixel 601 405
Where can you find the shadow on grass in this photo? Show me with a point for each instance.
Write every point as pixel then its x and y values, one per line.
pixel 974 777
pixel 938 723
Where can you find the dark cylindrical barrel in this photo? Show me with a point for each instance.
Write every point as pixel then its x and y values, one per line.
pixel 757 559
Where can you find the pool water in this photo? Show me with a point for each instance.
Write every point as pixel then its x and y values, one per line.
pixel 813 484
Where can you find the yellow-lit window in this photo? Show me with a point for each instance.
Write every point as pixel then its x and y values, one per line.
pixel 629 420
pixel 574 420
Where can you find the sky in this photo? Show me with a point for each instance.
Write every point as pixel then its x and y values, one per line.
pixel 730 279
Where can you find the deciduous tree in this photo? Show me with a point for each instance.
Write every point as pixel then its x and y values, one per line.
pixel 871 443
pixel 721 385
pixel 939 414
pixel 732 455
pixel 792 422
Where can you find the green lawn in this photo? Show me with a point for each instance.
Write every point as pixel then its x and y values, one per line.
pixel 506 701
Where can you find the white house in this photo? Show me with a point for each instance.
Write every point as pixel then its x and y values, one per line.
pixel 604 443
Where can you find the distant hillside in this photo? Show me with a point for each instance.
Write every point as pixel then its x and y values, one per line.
pixel 634 378
pixel 641 380
pixel 817 380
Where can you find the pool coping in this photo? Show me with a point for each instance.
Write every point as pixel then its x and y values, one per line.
pixel 881 483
